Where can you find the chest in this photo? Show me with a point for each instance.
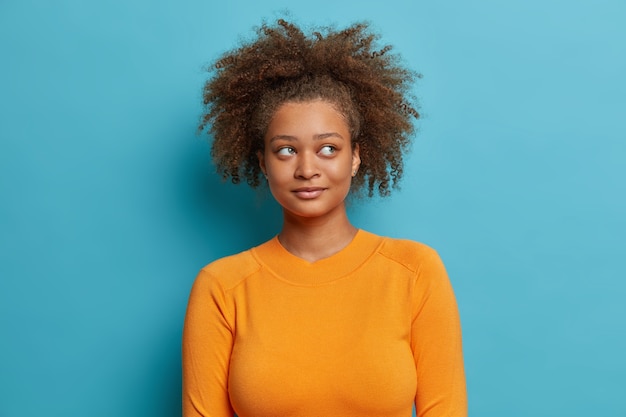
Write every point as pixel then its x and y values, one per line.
pixel 339 349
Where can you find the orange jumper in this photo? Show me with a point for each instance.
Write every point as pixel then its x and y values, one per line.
pixel 369 331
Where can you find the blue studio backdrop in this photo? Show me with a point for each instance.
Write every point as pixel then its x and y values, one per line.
pixel 110 206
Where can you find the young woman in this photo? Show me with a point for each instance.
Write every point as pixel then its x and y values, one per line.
pixel 324 319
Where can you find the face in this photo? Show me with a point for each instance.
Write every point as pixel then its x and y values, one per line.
pixel 309 159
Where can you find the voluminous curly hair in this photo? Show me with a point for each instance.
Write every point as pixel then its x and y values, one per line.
pixel 368 86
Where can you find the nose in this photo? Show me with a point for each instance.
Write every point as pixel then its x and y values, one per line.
pixel 307 167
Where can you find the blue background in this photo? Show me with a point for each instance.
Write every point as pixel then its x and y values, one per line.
pixel 109 204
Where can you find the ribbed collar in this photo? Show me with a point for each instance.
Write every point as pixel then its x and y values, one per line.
pixel 295 270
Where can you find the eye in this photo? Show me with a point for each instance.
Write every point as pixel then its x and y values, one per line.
pixel 328 150
pixel 286 151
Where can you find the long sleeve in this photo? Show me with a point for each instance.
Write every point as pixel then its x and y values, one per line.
pixel 206 349
pixel 436 343
pixel 369 331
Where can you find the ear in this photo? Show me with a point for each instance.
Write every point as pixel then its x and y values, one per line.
pixel 261 157
pixel 356 158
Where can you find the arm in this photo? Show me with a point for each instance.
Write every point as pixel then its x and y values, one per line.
pixel 436 343
pixel 207 346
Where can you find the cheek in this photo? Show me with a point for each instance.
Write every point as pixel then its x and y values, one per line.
pixel 278 178
pixel 343 170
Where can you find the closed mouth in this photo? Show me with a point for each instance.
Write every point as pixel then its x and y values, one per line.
pixel 308 192
pixel 307 189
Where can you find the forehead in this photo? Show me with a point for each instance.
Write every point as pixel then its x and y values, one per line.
pixel 309 117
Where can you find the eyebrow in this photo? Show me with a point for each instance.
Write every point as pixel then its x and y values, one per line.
pixel 320 136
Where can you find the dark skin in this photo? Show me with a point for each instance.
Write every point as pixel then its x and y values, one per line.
pixel 309 161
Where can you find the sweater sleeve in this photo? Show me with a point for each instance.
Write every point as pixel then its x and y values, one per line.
pixel 436 343
pixel 206 350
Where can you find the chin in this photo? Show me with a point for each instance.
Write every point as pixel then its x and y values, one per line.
pixel 312 213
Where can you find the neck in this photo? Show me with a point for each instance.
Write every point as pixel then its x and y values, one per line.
pixel 317 238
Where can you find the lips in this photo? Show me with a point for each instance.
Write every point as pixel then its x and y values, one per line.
pixel 308 193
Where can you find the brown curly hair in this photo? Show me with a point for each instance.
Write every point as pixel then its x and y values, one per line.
pixel 367 85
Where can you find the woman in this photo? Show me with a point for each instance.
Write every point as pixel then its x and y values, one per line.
pixel 324 319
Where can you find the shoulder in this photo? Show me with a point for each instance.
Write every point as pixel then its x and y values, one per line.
pixel 411 254
pixel 230 271
pixel 423 263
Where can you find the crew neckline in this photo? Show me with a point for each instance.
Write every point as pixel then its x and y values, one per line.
pixel 291 268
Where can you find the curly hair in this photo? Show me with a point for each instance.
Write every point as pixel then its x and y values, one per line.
pixel 368 86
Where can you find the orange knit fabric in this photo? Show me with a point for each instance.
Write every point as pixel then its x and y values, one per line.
pixel 369 331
